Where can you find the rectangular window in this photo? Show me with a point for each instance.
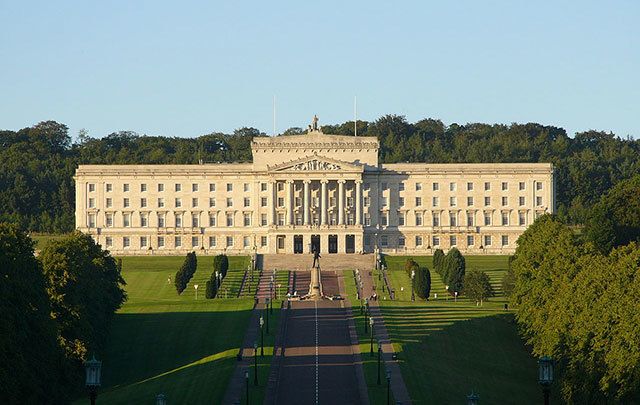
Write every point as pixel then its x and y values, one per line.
pixel 418 201
pixel 522 219
pixel 143 202
pixel 247 201
pixel 487 219
pixel 436 186
pixel 521 186
pixel 109 187
pixel 229 202
pixel 505 201
pixel 505 186
pixel 161 221
pixel 401 201
pixel 280 186
pixel 212 241
pixel 435 201
pixel 263 201
pixel 469 201
pixel 453 240
pixel 469 186
pixel 367 201
pixel 246 242
pixel 125 187
pixel 194 187
pixel 229 241
pixel 469 219
pixel 143 242
pixel 453 201
pixel 125 202
pixel 229 187
pixel 178 187
pixel 538 201
pixel 143 187
pixel 160 202
pixel 436 219
pixel 384 201
pixel 384 186
pixel 418 186
pixel 521 201
pixel 263 241
pixel 229 219
pixel 487 201
pixel 92 202
pixel 400 186
pixel 280 219
pixel 144 221
pixel 247 219
pixel 418 241
pixel 194 202
pixel 452 186
pixel 161 189
pixel 109 241
pixel 384 241
pixel 263 186
pixel 212 219
pixel 263 219
pixel 178 221
pixel 418 219
pixel 487 240
pixel 178 203
pixel 505 218
pixel 109 220
pixel 126 242
pixel 212 188
pixel 92 220
pixel 487 186
pixel 212 202
pixel 160 241
pixel 280 202
pixel 126 220
pixel 470 240
pixel 436 241
pixel 195 221
pixel 400 218
pixel 384 219
pixel 453 219
pixel 538 185
pixel 195 241
pixel 177 241
pixel 367 219
pixel 401 241
pixel 246 187
pixel 92 188
pixel 505 240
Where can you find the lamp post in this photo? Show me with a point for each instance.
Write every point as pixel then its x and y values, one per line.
pixel 473 399
pixel 93 370
pixel 217 279
pixel 413 294
pixel 545 376
pixel 371 325
pixel 161 399
pixel 388 388
pixel 196 288
pixel 379 359
pixel 255 363
pixel 366 314
pixel 267 313
pixel 261 337
pixel 246 385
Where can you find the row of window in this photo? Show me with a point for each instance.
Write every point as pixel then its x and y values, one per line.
pixel 144 241
pixel 453 186
pixel 435 242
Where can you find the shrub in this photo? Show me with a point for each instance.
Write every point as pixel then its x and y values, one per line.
pixel 477 286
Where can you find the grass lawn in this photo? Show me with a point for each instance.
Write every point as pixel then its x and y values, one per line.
pixel 42 239
pixel 162 342
pixel 447 349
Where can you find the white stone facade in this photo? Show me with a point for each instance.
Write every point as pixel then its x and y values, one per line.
pixel 314 188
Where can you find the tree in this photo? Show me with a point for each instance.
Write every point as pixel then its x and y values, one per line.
pixel 422 283
pixel 454 267
pixel 185 272
pixel 212 289
pixel 438 258
pixel 28 341
pixel 477 286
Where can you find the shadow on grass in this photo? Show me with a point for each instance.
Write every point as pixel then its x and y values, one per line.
pixel 444 359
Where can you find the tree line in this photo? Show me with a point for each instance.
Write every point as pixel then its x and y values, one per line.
pixel 56 312
pixel 37 163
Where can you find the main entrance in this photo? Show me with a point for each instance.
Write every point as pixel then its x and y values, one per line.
pixel 350 244
pixel 333 243
pixel 297 244
pixel 315 243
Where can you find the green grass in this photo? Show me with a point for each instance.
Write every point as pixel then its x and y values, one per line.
pixel 162 342
pixel 42 239
pixel 447 349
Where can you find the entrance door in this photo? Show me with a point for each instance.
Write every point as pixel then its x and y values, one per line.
pixel 315 243
pixel 333 243
pixel 297 244
pixel 350 243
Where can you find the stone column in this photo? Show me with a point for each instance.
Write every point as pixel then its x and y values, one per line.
pixel 358 220
pixel 340 202
pixel 305 204
pixel 290 202
pixel 323 202
pixel 274 201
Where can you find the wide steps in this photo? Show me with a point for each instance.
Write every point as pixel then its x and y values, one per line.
pixel 329 262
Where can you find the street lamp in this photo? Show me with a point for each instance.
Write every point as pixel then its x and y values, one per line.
pixel 246 385
pixel 196 288
pixel 255 363
pixel 379 359
pixel 161 399
pixel 93 369
pixel 413 294
pixel 267 313
pixel 545 376
pixel 473 399
pixel 388 388
pixel 371 325
pixel 261 337
pixel 217 279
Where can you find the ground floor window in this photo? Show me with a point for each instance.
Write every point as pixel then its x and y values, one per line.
pixel 194 241
pixel 178 241
pixel 280 241
pixel 126 242
pixel 436 241
pixel 453 240
pixel 263 241
pixel 109 241
pixel 401 241
pixel 212 241
pixel 470 240
pixel 246 242
pixel 487 240
pixel 384 241
pixel 143 241
pixel 229 241
pixel 505 240
pixel 160 241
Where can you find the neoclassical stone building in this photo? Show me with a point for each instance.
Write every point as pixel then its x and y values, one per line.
pixel 311 190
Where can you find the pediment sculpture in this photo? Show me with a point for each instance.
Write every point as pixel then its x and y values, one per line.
pixel 315 165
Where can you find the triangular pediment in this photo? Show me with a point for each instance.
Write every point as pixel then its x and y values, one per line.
pixel 316 163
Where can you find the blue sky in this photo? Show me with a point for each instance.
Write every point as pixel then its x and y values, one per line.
pixel 188 68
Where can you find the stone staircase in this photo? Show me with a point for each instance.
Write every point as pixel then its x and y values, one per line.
pixel 330 262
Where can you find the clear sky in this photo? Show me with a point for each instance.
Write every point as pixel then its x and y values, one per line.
pixel 183 68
